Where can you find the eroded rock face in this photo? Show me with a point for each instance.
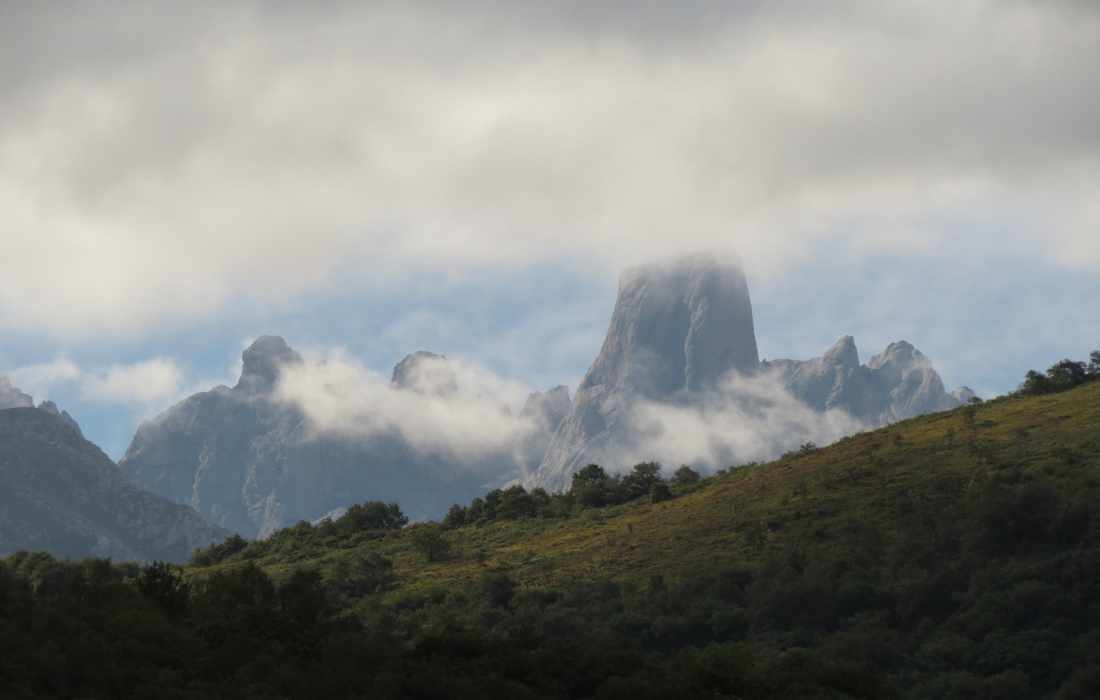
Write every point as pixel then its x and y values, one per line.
pixel 546 411
pixel 678 327
pixel 896 384
pixel 678 333
pixel 60 493
pixel 425 372
pixel 252 463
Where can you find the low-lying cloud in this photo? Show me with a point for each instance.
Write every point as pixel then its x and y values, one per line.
pixel 747 418
pixel 449 407
pixel 470 416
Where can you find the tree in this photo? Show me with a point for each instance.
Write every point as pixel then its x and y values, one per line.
pixel 1035 384
pixel 589 486
pixel 428 539
pixel 456 517
pixel 641 479
pixel 1067 374
pixel 685 475
pixel 515 503
pixel 164 584
pixel 590 474
pixel 499 589
pixel 1094 364
pixel 659 492
pixel 374 515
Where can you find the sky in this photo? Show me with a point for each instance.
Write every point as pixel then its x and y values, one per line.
pixel 470 178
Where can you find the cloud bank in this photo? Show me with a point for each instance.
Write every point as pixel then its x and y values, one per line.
pixel 148 383
pixel 160 162
pixel 449 408
pixel 470 416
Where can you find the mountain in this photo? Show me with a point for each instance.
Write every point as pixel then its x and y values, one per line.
pixel 60 493
pixel 953 555
pixel 896 384
pixel 680 331
pixel 11 397
pixel 253 463
pixel 678 327
pixel 546 411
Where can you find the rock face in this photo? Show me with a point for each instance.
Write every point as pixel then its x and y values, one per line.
pixel 896 384
pixel 677 329
pixel 426 373
pixel 252 463
pixel 61 494
pixel 11 397
pixel 546 411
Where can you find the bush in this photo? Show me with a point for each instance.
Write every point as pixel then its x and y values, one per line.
pixel 659 492
pixel 428 539
pixel 685 475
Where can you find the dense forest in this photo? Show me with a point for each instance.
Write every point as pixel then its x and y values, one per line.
pixel 951 556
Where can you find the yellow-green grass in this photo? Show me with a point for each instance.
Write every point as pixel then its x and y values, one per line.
pixel 813 500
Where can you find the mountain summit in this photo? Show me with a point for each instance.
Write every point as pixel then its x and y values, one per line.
pixel 680 331
pixel 261 363
pixel 678 327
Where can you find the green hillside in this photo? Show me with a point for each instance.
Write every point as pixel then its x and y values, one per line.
pixel 911 480
pixel 951 556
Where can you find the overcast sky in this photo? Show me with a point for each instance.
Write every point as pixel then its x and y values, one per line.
pixel 471 177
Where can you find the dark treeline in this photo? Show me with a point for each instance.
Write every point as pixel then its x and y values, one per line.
pixel 592 487
pixel 1061 376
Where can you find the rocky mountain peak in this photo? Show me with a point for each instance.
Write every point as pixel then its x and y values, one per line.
pixel 425 372
pixel 677 325
pixel 12 397
pixel 51 408
pixel 678 328
pixel 843 353
pixel 262 361
pixel 899 354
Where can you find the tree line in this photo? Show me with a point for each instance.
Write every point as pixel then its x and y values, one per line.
pixel 1061 376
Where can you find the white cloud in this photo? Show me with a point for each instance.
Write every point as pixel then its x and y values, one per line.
pixel 156 165
pixel 37 380
pixel 451 408
pixel 149 383
pixel 746 419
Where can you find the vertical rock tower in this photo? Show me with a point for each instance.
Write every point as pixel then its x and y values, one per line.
pixel 677 328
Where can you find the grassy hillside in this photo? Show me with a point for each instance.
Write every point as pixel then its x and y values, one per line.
pixel 890 486
pixel 951 556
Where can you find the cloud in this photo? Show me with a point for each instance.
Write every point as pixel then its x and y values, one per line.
pixel 449 408
pixel 149 383
pixel 158 166
pixel 38 379
pixel 747 418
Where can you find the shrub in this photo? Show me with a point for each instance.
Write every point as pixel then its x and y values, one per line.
pixel 685 475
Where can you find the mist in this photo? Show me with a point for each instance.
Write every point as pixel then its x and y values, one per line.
pixel 448 408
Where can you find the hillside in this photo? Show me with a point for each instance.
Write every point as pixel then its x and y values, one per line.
pixel 888 482
pixel 949 556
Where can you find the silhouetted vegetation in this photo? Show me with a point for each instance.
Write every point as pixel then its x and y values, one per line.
pixel 1061 376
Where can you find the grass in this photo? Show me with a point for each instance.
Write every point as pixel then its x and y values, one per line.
pixel 872 485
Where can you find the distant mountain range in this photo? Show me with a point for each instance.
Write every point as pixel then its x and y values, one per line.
pixel 253 463
pixel 680 328
pixel 250 461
